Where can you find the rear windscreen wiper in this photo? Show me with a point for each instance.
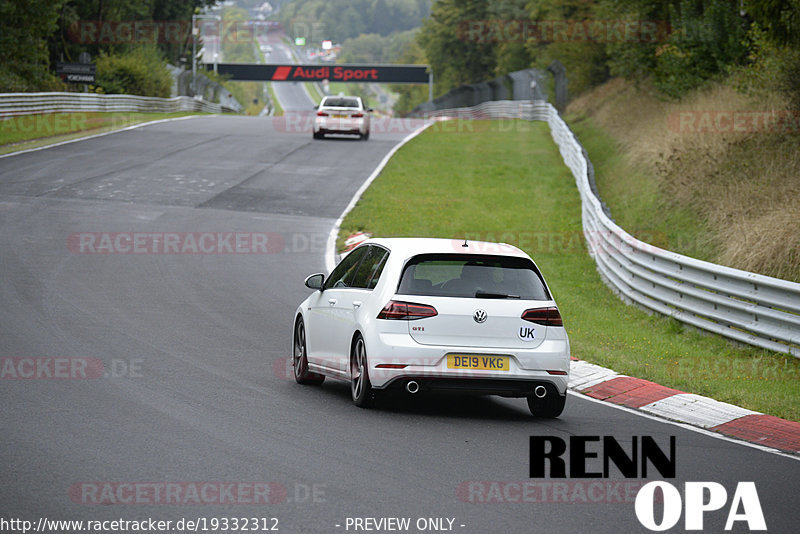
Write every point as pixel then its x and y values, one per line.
pixel 488 295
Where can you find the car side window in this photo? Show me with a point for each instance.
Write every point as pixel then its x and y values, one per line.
pixel 378 270
pixel 341 275
pixel 370 269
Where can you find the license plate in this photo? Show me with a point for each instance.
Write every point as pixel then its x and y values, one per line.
pixel 479 362
pixel 339 116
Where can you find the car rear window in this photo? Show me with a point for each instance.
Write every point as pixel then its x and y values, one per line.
pixel 479 276
pixel 341 102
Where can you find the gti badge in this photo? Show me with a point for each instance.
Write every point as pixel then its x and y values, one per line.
pixel 480 316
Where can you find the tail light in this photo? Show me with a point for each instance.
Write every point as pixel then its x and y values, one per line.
pixel 406 311
pixel 357 115
pixel 321 114
pixel 543 316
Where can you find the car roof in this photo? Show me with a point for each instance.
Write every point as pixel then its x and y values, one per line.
pixel 408 247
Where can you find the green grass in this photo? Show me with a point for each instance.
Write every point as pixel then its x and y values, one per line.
pixel 277 110
pixel 248 94
pixel 505 181
pixel 30 131
pixel 315 94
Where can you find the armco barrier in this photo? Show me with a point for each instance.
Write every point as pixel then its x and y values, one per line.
pixel 12 104
pixel 527 84
pixel 748 307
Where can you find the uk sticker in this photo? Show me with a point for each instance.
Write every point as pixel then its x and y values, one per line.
pixel 526 333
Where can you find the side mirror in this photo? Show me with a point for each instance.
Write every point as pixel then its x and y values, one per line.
pixel 316 107
pixel 315 281
pixel 370 110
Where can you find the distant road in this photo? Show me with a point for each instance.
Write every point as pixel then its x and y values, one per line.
pixel 292 95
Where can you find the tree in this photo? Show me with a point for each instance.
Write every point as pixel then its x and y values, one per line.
pixel 24 29
pixel 339 20
pixel 454 55
pixel 510 52
pixel 780 19
pixel 582 52
pixel 68 41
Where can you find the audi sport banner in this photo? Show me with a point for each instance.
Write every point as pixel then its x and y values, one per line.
pixel 317 73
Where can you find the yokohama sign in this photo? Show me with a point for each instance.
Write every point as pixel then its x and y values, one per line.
pixel 317 73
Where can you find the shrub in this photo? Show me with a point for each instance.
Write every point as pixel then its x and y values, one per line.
pixel 773 66
pixel 138 72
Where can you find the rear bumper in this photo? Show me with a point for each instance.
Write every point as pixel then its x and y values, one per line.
pixel 394 359
pixel 340 126
pixel 347 132
pixel 474 386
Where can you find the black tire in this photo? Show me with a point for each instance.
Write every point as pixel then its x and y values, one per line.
pixel 300 359
pixel 550 406
pixel 360 386
pixel 365 137
pixel 318 135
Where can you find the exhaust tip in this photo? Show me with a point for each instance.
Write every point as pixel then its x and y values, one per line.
pixel 540 392
pixel 412 386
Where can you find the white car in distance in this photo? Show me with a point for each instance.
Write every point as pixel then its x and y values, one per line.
pixel 416 315
pixel 342 115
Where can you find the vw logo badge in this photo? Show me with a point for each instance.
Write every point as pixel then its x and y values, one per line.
pixel 479 316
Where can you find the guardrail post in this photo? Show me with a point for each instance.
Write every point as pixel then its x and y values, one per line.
pixel 560 77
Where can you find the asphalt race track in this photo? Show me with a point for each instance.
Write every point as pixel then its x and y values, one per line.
pixel 194 386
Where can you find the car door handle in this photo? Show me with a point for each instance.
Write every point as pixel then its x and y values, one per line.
pixel 356 303
pixel 332 301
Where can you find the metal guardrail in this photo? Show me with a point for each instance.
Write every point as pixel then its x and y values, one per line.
pixel 203 88
pixel 13 104
pixel 747 307
pixel 527 84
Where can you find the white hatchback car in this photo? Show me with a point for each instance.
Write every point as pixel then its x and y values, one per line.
pixel 342 115
pixel 434 315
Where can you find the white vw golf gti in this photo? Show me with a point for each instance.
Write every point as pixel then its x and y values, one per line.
pixel 434 315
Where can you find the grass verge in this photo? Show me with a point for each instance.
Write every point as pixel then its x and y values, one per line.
pixel 314 92
pixel 251 95
pixel 634 198
pixel 505 181
pixel 725 194
pixel 31 131
pixel 277 110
